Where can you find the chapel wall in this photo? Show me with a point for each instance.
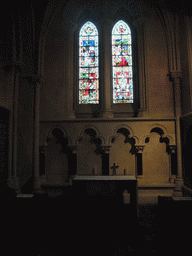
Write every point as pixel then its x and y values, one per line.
pixel 121 149
pixel 59 55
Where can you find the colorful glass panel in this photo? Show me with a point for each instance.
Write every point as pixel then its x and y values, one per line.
pixel 88 64
pixel 122 63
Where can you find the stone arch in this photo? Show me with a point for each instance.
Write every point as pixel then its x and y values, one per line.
pixel 49 134
pixel 57 157
pixel 86 13
pixel 122 152
pixel 126 127
pixel 155 158
pixel 171 140
pixel 90 127
pixel 158 128
pixel 89 151
pixel 164 136
pixel 122 9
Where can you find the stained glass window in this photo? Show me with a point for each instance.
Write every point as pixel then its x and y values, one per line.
pixel 88 64
pixel 122 63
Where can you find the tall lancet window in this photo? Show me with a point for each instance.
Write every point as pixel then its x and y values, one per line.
pixel 88 64
pixel 122 63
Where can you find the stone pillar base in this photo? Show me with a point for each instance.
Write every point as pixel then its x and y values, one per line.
pixel 37 185
pixel 178 189
pixel 107 114
pixel 16 185
pixel 10 183
pixel 70 115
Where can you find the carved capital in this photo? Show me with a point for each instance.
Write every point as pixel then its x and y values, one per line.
pixel 73 149
pixel 139 148
pixel 70 115
pixel 107 114
pixel 175 75
pixel 106 148
pixel 171 149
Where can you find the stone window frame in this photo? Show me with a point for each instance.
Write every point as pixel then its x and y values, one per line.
pixel 139 77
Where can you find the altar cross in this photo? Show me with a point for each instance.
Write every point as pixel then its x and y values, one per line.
pixel 114 167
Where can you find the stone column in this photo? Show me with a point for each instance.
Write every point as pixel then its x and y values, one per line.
pixel 171 150
pixel 42 151
pixel 175 77
pixel 106 69
pixel 70 70
pixel 140 26
pixel 36 81
pixel 106 150
pixel 74 152
pixel 12 70
pixel 139 150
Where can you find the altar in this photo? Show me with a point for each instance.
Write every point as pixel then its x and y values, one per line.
pixel 104 189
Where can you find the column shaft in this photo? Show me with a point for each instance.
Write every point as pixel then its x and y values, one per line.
pixel 107 64
pixel 15 129
pixel 176 75
pixel 70 72
pixel 36 136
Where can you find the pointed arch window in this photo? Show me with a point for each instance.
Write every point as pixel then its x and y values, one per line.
pixel 88 64
pixel 122 63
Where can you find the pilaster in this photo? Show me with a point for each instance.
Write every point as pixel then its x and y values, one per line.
pixel 140 27
pixel 70 72
pixel 13 70
pixel 36 81
pixel 175 77
pixel 107 89
pixel 139 150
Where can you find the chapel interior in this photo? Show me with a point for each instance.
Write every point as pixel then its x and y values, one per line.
pixel 96 127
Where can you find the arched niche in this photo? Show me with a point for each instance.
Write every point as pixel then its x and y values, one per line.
pixel 156 164
pixel 57 157
pixel 122 153
pixel 89 153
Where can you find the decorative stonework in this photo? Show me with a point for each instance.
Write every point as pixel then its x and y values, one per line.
pixel 172 149
pixel 139 148
pixel 73 149
pixel 106 148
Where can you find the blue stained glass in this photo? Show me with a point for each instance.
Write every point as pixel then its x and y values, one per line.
pixel 88 64
pixel 122 63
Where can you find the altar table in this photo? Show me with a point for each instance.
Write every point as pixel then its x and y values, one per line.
pixel 107 187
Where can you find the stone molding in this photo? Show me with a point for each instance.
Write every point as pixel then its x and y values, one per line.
pixel 106 148
pixel 172 149
pixel 139 148
pixel 35 79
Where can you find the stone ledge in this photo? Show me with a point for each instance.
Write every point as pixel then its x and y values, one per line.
pixel 156 185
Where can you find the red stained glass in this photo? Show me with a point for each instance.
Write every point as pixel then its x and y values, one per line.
pixel 122 63
pixel 88 64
